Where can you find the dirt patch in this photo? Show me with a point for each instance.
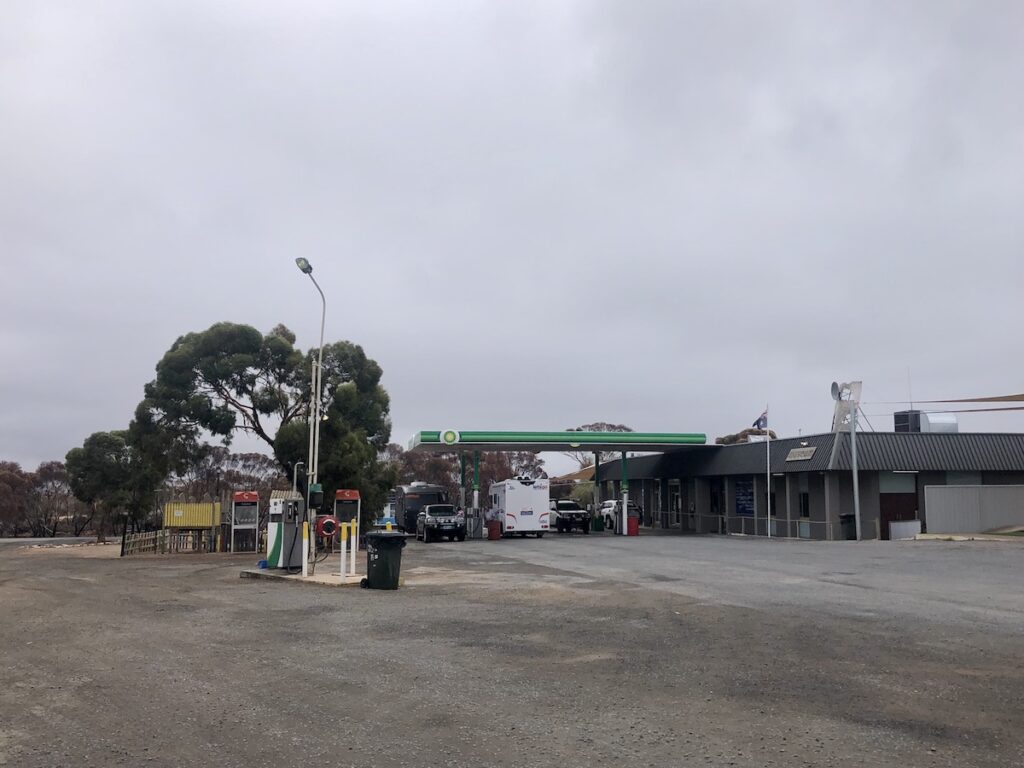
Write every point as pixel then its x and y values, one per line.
pixel 110 549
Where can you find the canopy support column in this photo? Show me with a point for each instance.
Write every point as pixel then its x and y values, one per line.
pixel 625 498
pixel 476 479
pixel 462 480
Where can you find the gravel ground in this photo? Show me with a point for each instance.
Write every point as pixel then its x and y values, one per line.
pixel 567 651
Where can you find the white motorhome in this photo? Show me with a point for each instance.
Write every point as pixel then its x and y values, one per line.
pixel 521 505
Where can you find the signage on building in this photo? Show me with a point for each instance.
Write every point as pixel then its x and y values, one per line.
pixel 801 454
pixel 745 496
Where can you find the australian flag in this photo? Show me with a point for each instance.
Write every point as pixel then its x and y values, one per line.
pixel 762 421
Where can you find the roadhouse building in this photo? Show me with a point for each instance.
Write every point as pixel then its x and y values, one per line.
pixel 721 488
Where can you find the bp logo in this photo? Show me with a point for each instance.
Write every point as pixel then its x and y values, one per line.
pixel 449 437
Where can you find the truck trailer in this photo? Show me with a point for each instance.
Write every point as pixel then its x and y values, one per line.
pixel 521 505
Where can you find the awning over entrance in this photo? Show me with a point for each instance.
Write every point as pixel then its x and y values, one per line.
pixel 453 441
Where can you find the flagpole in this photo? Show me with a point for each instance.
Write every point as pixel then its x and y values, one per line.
pixel 768 473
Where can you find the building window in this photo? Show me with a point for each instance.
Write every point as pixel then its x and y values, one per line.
pixel 805 505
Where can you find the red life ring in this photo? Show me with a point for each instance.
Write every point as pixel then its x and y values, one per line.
pixel 326 526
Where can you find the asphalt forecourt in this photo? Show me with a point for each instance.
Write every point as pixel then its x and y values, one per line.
pixel 562 651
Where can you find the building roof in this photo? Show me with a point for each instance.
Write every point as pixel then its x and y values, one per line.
pixel 289 495
pixel 876 451
pixel 956 452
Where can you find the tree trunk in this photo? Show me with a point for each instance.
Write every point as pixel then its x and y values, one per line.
pixel 101 534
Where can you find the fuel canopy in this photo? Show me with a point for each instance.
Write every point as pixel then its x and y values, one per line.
pixel 454 441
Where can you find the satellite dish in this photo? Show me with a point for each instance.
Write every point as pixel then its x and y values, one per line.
pixel 835 390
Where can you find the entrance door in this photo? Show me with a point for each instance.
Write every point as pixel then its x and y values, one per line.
pixel 894 507
pixel 897 499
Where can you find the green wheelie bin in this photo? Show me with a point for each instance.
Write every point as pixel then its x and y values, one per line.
pixel 383 559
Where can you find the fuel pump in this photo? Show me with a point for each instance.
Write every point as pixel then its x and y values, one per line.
pixel 284 530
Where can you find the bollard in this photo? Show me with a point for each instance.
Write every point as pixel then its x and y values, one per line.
pixel 354 549
pixel 344 547
pixel 305 548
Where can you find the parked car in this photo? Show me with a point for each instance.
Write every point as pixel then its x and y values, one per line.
pixel 610 510
pixel 437 521
pixel 568 514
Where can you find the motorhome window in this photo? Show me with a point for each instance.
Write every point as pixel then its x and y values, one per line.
pixel 416 501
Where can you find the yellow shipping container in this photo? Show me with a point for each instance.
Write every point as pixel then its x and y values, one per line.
pixel 187 514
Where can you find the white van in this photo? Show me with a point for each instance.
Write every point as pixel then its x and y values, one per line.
pixel 521 505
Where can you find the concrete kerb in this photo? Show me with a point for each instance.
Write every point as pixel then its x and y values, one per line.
pixel 317 579
pixel 968 537
pixel 326 575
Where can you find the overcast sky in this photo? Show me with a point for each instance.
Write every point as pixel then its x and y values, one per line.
pixel 532 214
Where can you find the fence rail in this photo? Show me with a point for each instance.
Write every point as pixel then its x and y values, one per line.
pixel 168 541
pixel 797 528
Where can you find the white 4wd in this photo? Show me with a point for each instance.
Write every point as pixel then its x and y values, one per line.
pixel 567 514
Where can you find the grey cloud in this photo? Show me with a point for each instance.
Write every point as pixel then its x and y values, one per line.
pixel 663 214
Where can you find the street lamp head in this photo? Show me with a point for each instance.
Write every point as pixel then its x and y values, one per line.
pixel 304 265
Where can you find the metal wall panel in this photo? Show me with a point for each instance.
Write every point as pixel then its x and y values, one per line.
pixel 973 508
pixel 185 514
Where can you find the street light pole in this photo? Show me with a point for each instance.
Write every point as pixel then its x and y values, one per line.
pixel 307 269
pixel 853 462
pixel 313 466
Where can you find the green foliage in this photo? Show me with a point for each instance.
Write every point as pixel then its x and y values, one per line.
pixel 231 377
pixel 226 377
pixel 110 474
pixel 354 399
pixel 355 429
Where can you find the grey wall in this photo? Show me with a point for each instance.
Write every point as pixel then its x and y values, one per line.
pixel 973 508
pixel 1002 478
pixel 870 510
pixel 924 479
pixel 828 512
pixel 702 499
pixel 790 510
pixel 779 510
pixel 816 498
pixel 870 506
